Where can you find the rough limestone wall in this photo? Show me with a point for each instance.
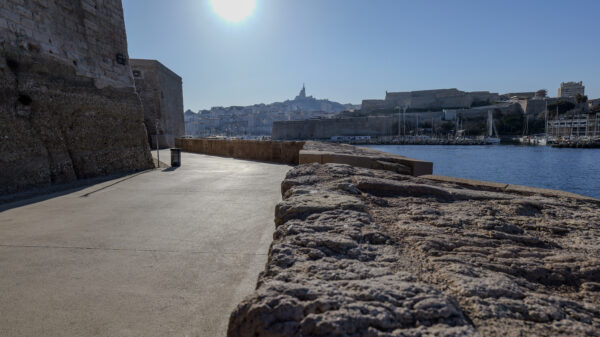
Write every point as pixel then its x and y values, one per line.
pixel 162 97
pixel 68 107
pixel 147 87
pixel 359 252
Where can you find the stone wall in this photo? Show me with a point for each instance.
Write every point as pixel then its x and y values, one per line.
pixel 324 153
pixel 162 99
pixel 373 104
pixel 68 106
pixel 533 107
pixel 270 151
pixel 294 153
pixel 326 128
pixel 430 99
pixel 359 252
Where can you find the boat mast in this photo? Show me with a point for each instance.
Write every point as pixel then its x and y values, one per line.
pixel 490 125
pixel 546 120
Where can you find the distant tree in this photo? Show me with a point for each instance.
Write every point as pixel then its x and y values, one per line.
pixel 480 103
pixel 445 127
pixel 579 98
pixel 562 106
pixel 541 93
pixel 510 123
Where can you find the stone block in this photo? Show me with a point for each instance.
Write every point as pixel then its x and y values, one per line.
pixel 477 184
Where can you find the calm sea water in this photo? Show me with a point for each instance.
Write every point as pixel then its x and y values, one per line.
pixel 573 170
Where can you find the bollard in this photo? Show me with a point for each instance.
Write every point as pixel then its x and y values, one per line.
pixel 175 157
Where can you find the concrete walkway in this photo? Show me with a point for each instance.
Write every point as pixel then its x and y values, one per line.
pixel 160 253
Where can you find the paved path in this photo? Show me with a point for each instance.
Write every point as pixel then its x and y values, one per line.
pixel 161 253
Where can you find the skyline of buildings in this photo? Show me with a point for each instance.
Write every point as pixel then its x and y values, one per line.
pixel 258 119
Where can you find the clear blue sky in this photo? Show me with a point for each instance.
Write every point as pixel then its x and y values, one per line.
pixel 347 50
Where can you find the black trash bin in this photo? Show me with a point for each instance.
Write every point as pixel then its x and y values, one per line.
pixel 175 157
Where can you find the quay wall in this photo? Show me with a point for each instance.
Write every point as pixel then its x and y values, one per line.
pixel 68 105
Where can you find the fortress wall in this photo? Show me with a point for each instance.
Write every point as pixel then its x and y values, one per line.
pixel 482 96
pixel 533 106
pixel 326 128
pixel 162 98
pixel 373 104
pixel 68 106
pixel 430 99
pixel 398 99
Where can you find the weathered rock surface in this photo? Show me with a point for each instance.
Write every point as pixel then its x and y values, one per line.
pixel 361 252
pixel 333 153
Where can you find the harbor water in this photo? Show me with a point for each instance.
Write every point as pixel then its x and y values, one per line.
pixel 573 170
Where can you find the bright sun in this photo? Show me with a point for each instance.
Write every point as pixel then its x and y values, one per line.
pixel 233 10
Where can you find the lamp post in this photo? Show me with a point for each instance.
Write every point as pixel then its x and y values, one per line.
pixel 156 135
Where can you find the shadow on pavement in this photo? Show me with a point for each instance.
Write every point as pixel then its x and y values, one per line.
pixel 40 194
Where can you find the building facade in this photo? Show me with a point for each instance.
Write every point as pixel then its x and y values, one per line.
pixel 580 125
pixel 162 99
pixel 571 89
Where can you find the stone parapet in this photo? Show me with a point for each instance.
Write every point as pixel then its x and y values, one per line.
pixel 362 252
pixel 294 153
pixel 269 151
pixel 316 152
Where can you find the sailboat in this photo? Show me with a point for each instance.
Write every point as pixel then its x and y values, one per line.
pixel 491 131
pixel 539 139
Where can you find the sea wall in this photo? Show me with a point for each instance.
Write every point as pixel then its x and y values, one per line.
pixel 270 151
pixel 294 153
pixel 68 106
pixel 323 153
pixel 362 252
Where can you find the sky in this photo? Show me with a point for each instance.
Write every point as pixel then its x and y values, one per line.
pixel 350 50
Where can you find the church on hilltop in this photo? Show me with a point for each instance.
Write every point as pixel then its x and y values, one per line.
pixel 302 95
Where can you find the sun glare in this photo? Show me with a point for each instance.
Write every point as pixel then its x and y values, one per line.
pixel 233 10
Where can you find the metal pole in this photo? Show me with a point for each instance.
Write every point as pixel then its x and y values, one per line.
pixel 546 118
pixel 404 122
pixel 157 152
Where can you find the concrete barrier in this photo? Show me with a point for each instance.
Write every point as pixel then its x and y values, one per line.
pixel 270 151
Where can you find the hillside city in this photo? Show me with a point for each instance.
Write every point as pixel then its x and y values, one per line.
pixel 436 113
pixel 257 120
